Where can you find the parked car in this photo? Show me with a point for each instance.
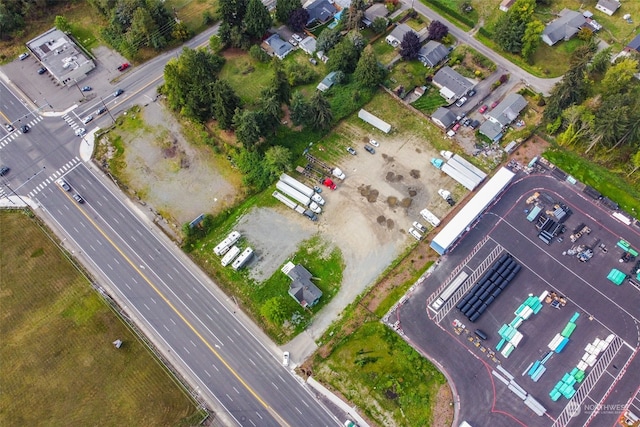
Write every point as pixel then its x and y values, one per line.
pixel 86 88
pixel 421 228
pixel 456 127
pixel 23 56
pixel 460 102
pixel 78 198
pixel 293 42
pixel 87 119
pixel 313 61
pixel 466 121
pixel 370 149
pixel 4 170
pixel 62 183
pixel 483 109
pixel 471 93
pixel 351 151
pixel 374 143
pixel 100 110
pixel 285 358
pixel 416 235
pixel 42 70
pixel 123 67
pixel 297 38
pixel 494 104
pixel 317 189
pixel 80 131
pixel 25 128
pixel 9 127
pixel 474 124
pixel 118 92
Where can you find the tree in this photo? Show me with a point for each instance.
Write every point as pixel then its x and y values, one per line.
pixel 247 125
pixel 437 30
pixel 285 8
pixel 254 173
pixel 280 83
pixel 232 11
pixel 60 23
pixel 180 32
pixel 257 19
pixel 327 40
pixel 189 81
pixel 270 110
pixel 10 18
pixel 379 25
pixel 277 159
pixel 344 57
pixel 635 162
pixel 354 15
pixel 299 111
pixel 618 77
pixel 298 19
pixel 410 46
pixel 225 103
pixel 511 27
pixel 601 60
pixel 320 114
pixel 531 38
pixel 274 310
pixel 368 72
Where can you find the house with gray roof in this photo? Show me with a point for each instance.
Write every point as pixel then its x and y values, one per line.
pixel 563 28
pixel 502 115
pixel 308 44
pixel 376 10
pixel 608 6
pixel 634 45
pixel 320 11
pixel 443 117
pixel 302 288
pixel 277 46
pixel 452 84
pixel 396 36
pixel 432 53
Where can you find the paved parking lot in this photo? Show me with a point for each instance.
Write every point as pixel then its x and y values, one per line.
pixel 604 309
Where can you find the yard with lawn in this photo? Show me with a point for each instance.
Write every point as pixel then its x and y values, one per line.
pixel 430 101
pixel 59 366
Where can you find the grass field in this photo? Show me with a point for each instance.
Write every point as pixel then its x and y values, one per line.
pixel 430 101
pixel 59 367
pixel 246 75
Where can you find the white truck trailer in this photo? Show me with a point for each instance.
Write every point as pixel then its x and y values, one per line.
pixel 298 196
pixel 284 199
pixel 244 257
pixel 431 218
pixel 223 247
pixel 230 256
pixel 307 191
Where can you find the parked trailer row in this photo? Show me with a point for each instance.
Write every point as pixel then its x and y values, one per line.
pixel 296 207
pixel 307 191
pixel 469 184
pixel 298 196
pixel 224 246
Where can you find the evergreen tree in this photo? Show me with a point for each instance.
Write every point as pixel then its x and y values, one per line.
pixel 257 19
pixel 284 9
pixel 247 125
pixel 298 19
pixel 368 72
pixel 299 111
pixel 320 115
pixel 225 103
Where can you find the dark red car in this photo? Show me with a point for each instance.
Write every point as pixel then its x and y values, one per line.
pixel 123 67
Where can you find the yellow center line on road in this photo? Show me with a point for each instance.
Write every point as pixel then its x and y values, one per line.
pixel 179 314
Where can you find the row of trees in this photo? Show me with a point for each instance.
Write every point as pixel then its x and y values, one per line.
pixel 595 108
pixel 410 44
pixel 517 31
pixel 243 21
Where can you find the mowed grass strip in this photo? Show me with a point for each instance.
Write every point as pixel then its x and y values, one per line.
pixel 58 366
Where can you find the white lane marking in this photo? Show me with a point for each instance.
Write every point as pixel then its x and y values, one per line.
pixel 296 408
pixel 109 265
pixel 228 397
pixel 154 301
pixel 165 326
pixel 215 367
pixel 173 321
pixel 273 384
pixel 251 421
pixel 259 416
pixel 214 309
pixel 194 344
pixel 236 390
pixel 208 317
pixel 306 404
pixel 282 379
pixel 127 285
pixel 236 331
pixel 229 338
pixel 98 202
pixel 185 349
pixel 92 248
pixel 208 374
pixel 189 296
pixel 146 306
pixel 99 242
pixel 116 221
pixel 134 280
pixel 252 362
pixel 168 275
pixel 195 290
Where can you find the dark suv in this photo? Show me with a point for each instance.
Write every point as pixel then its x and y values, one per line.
pixel 4 170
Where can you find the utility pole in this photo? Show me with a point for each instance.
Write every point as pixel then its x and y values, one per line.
pixel 108 111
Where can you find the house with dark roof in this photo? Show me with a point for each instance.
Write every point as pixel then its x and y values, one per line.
pixel 608 6
pixel 278 47
pixel 634 45
pixel 376 10
pixel 396 36
pixel 432 53
pixel 320 11
pixel 302 288
pixel 308 44
pixel 452 84
pixel 563 28
pixel 443 117
pixel 502 115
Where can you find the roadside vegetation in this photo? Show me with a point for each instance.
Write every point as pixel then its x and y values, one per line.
pixel 59 364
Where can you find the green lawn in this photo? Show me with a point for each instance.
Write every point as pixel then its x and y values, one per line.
pixel 430 101
pixel 384 51
pixel 381 374
pixel 408 74
pixel 59 366
pixel 246 75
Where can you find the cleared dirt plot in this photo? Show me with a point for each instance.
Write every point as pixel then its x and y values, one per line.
pixel 58 364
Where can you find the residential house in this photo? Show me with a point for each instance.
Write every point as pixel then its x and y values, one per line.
pixel 276 46
pixel 634 45
pixel 443 117
pixel 319 11
pixel 502 115
pixel 452 84
pixel 327 82
pixel 377 10
pixel 302 288
pixel 396 36
pixel 563 28
pixel 432 53
pixel 308 44
pixel 608 6
pixel 506 5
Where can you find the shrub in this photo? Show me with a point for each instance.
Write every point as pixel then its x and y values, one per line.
pixel 258 54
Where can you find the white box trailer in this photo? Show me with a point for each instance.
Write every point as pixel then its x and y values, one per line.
pixel 297 185
pixel 230 256
pixel 468 183
pixel 284 199
pixel 429 217
pixel 298 196
pixel 464 162
pixel 224 246
pixel 244 257
pixel 464 171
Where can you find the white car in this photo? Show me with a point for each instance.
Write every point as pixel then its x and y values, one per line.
pixel 80 131
pixel 374 143
pixel 460 102
pixel 415 234
pixel 421 228
pixel 62 183
pixel 285 358
pixel 87 119
pixel 296 37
